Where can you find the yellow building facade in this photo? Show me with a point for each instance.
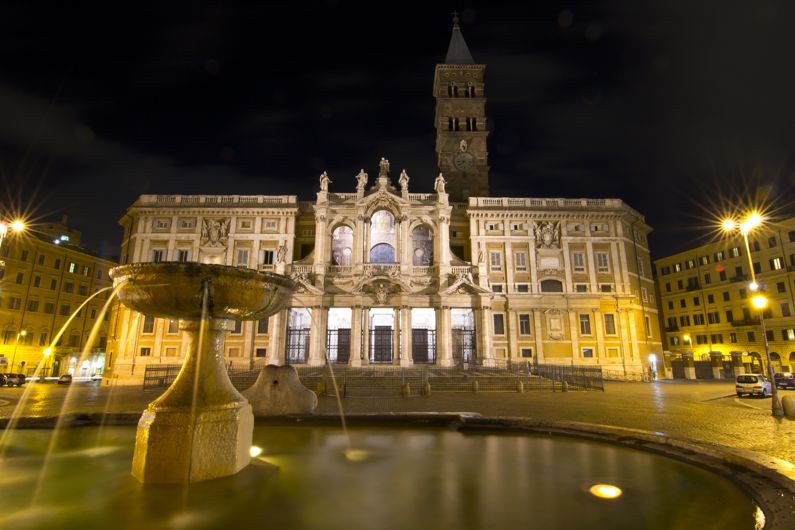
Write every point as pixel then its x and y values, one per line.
pixel 46 277
pixel 705 301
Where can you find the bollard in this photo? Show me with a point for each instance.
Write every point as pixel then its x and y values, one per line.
pixel 788 402
pixel 519 387
pixel 405 390
pixel 427 389
pixel 475 386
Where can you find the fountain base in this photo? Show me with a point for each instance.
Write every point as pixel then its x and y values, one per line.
pixel 200 428
pixel 174 447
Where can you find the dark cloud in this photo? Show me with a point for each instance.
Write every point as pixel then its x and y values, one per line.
pixel 663 103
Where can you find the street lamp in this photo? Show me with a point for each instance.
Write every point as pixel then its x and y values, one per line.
pixel 687 338
pixel 758 301
pixel 17 225
pixel 22 333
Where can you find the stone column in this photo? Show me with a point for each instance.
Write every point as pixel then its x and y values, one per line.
pixel 574 329
pixel 485 351
pixel 716 361
pixel 356 336
pixel 690 368
pixel 317 337
pixel 737 363
pixel 366 337
pixel 512 322
pixel 538 331
pixel 444 336
pixel 278 329
pixel 406 358
pixel 598 324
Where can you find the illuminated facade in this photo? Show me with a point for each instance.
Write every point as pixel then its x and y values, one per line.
pixel 705 301
pixel 46 277
pixel 387 276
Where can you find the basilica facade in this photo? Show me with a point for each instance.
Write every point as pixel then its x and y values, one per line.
pixel 390 276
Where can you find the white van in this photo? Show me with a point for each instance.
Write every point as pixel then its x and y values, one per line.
pixel 752 384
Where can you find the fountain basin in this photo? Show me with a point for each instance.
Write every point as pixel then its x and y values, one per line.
pixel 174 290
pixel 200 428
pixel 407 477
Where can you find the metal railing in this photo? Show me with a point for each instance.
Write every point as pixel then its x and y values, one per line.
pixel 582 377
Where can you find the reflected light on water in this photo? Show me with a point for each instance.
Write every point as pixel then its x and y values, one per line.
pixel 357 455
pixel 605 491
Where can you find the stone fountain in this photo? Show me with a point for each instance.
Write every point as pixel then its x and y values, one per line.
pixel 201 427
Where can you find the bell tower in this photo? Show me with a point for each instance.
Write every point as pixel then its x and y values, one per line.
pixel 461 131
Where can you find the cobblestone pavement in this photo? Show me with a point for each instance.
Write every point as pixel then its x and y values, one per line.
pixel 706 412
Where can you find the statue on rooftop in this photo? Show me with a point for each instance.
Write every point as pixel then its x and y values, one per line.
pixel 324 181
pixel 404 181
pixel 439 183
pixel 383 167
pixel 361 180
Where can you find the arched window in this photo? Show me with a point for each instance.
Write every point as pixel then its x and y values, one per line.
pixel 382 237
pixel 422 246
pixel 342 245
pixel 551 286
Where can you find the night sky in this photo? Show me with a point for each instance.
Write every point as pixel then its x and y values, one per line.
pixel 677 107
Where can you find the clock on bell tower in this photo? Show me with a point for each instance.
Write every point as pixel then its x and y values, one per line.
pixel 461 132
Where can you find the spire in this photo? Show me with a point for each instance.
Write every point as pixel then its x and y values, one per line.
pixel 458 52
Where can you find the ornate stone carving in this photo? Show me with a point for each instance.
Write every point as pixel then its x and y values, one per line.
pixel 439 183
pixel 381 293
pixel 215 232
pixel 547 234
pixel 361 180
pixel 281 254
pixel 383 167
pixel 404 181
pixel 324 181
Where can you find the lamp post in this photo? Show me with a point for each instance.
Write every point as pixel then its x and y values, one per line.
pixel 759 301
pixel 22 333
pixel 18 226
pixel 687 338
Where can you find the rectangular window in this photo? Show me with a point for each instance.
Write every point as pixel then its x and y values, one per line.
pixel 606 287
pixel 585 324
pixel 647 322
pixel 682 303
pixel 696 301
pixel 522 288
pixel 520 261
pixel 173 327
pixel 703 260
pixel 781 287
pixel 49 308
pixel 499 324
pixel 679 285
pixel 261 352
pixel 698 319
pixel 581 287
pixel 65 310
pixel 496 287
pixel 751 336
pixel 524 324
pixel 771 241
pixel 670 304
pixel 734 252
pixel 710 299
pixel 587 352
pixel 33 305
pixel 578 261
pixel 242 257
pixel 677 267
pixel 146 351
pixel 526 353
pixel 667 287
pixel 238 329
pixel 729 315
pixel 602 263
pixel 726 296
pixel 713 317
pixel 644 294
pixel 718 256
pixel 690 264
pixel 495 260
pixel 722 275
pixel 788 334
pixel 183 255
pixel 72 267
pixel 610 324
pixel 68 287
pixel 641 271
pixel 149 324
pixel 732 337
pixel 785 312
pixel 53 284
pixel 707 279
pixel 776 264
pixel 20 277
pixel 262 326
pixel 157 255
pixel 266 257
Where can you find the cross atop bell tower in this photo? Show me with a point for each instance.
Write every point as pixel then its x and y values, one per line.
pixel 459 89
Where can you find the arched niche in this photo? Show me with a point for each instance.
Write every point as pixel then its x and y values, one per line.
pixel 422 245
pixel 382 237
pixel 342 245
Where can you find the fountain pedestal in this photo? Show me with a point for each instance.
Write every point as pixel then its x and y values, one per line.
pixel 200 428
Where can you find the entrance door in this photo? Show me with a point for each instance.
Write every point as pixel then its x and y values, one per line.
pixel 343 346
pixel 419 345
pixel 381 341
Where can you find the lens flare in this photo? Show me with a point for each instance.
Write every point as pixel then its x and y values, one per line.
pixel 255 451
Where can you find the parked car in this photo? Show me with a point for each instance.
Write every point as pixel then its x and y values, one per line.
pixel 753 384
pixel 784 379
pixel 65 379
pixel 15 379
pixel 3 379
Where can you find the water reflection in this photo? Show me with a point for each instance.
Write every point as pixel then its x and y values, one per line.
pixel 407 479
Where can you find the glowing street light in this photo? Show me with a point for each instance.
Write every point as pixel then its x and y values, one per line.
pixel 17 225
pixel 759 301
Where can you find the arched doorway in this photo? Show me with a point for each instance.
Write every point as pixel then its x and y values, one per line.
pixel 755 366
pixel 775 360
